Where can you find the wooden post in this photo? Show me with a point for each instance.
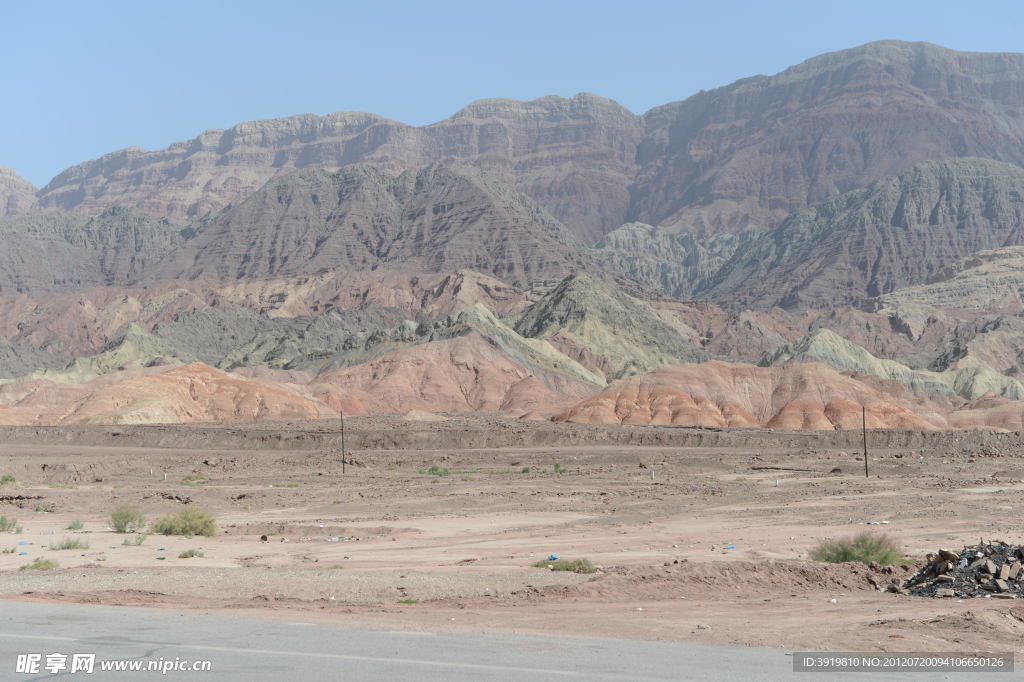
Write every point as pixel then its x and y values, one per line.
pixel 342 440
pixel 864 429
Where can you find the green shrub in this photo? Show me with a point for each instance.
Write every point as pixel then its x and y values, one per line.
pixel 12 550
pixel 8 525
pixel 191 553
pixel 127 519
pixel 193 478
pixel 438 471
pixel 189 521
pixel 575 565
pixel 40 564
pixel 70 543
pixel 408 601
pixel 559 468
pixel 77 524
pixel 135 540
pixel 44 508
pixel 864 548
pixel 526 470
pixel 7 479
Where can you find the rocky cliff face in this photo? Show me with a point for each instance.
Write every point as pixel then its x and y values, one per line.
pixel 574 156
pixel 442 218
pixel 677 264
pixel 45 253
pixel 741 156
pixel 17 195
pixel 749 154
pixel 897 232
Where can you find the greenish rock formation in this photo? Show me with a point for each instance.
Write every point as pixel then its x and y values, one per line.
pixel 607 323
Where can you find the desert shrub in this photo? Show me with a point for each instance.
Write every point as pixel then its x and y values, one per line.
pixel 12 550
pixel 7 479
pixel 438 471
pixel 408 601
pixel 188 554
pixel 189 521
pixel 559 468
pixel 77 524
pixel 193 478
pixel 70 543
pixel 8 525
pixel 44 508
pixel 40 564
pixel 135 540
pixel 127 519
pixel 574 565
pixel 864 548
pixel 526 470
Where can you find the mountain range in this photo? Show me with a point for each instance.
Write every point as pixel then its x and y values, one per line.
pixel 859 213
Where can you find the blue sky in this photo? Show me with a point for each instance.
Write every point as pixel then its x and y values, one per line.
pixel 84 79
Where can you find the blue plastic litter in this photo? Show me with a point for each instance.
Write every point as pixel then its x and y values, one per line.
pixel 730 546
pixel 552 558
pixel 22 543
pixel 22 553
pixel 161 550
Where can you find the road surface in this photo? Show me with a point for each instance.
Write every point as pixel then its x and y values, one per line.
pixel 250 648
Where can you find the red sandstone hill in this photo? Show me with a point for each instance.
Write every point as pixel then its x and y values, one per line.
pixel 800 396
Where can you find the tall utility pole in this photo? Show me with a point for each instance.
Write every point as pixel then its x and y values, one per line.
pixel 864 430
pixel 342 440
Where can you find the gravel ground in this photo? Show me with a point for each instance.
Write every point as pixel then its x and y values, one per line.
pixel 307 585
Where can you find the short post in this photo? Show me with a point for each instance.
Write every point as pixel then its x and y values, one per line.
pixel 342 440
pixel 864 430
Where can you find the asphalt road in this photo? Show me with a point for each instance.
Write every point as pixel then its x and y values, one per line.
pixel 248 648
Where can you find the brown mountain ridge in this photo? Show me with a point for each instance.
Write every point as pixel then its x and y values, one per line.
pixel 744 155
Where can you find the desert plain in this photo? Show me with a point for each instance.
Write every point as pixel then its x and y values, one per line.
pixel 690 526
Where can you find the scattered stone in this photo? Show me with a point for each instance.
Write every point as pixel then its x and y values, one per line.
pixel 989 569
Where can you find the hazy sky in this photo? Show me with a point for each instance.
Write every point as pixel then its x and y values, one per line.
pixel 83 79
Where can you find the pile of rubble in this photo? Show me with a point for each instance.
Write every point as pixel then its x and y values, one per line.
pixel 992 568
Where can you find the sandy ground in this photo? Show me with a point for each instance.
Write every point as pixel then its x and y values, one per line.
pixel 656 507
